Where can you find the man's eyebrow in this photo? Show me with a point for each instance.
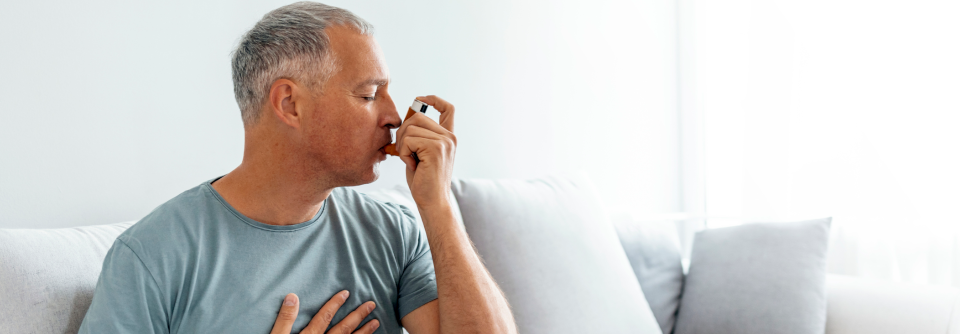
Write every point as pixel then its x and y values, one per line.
pixel 373 82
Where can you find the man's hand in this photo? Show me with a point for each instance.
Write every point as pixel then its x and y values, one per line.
pixel 435 147
pixel 319 323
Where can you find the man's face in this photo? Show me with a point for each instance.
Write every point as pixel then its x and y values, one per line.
pixel 347 125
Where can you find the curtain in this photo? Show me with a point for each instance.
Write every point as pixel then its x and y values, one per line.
pixel 841 108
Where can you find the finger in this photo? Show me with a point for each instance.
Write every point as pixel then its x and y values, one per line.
pixel 417 145
pixel 417 155
pixel 445 108
pixel 287 315
pixel 409 161
pixel 421 121
pixel 323 317
pixel 426 122
pixel 352 320
pixel 436 102
pixel 416 141
pixel 371 326
pixel 417 131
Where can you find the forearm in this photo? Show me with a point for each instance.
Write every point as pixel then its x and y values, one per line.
pixel 469 298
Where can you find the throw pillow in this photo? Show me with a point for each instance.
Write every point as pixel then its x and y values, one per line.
pixel 555 255
pixel 654 253
pixel 400 194
pixel 47 276
pixel 757 278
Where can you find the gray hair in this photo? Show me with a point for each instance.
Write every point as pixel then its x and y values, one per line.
pixel 288 42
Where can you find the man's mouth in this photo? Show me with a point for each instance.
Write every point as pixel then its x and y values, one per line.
pixel 383 149
pixel 388 141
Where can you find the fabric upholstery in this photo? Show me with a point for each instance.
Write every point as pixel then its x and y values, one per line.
pixel 47 276
pixel 555 255
pixel 866 306
pixel 757 278
pixel 400 194
pixel 654 253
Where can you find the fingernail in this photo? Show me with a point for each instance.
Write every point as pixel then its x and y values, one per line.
pixel 371 306
pixel 345 294
pixel 376 324
pixel 290 300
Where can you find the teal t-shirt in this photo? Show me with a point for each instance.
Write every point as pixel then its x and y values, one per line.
pixel 196 265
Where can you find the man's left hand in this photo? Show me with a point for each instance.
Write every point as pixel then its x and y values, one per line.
pixel 429 174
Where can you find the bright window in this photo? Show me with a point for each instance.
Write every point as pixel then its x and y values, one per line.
pixel 839 108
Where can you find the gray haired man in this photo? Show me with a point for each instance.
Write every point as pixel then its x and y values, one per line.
pixel 280 231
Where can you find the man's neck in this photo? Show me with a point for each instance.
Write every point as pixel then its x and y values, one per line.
pixel 271 194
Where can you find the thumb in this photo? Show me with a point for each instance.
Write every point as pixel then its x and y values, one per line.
pixel 445 108
pixel 287 315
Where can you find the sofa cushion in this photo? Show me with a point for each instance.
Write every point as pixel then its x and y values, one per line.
pixel 555 255
pixel 757 278
pixel 48 276
pixel 864 305
pixel 654 253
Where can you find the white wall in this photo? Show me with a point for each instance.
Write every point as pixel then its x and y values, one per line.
pixel 109 108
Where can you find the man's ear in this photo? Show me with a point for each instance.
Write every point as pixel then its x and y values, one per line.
pixel 283 101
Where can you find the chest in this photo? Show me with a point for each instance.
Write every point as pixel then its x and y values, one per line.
pixel 240 289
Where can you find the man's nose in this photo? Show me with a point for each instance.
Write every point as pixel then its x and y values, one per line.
pixel 392 117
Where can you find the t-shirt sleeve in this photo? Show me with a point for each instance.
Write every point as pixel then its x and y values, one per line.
pixel 418 282
pixel 127 298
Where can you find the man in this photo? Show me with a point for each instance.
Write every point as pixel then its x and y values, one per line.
pixel 280 231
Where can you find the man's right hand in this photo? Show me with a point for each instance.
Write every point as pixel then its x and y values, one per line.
pixel 319 323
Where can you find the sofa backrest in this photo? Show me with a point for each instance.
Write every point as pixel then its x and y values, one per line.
pixel 47 276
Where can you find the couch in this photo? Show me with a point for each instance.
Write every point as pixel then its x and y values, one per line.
pixel 47 276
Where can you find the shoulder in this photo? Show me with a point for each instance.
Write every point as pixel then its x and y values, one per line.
pixel 382 220
pixel 368 207
pixel 171 225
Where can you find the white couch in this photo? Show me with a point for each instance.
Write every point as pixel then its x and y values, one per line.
pixel 47 278
pixel 856 306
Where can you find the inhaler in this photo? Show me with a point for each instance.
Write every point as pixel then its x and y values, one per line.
pixel 416 107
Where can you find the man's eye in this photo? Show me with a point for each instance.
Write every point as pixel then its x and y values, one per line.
pixel 369 98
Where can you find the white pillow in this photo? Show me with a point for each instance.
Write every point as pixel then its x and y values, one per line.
pixel 654 252
pixel 47 276
pixel 400 194
pixel 557 258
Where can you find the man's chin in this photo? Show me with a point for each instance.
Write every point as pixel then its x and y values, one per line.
pixel 366 177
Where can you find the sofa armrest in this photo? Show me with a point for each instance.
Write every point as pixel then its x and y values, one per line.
pixel 857 305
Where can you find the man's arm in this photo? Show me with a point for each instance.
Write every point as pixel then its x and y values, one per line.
pixel 468 298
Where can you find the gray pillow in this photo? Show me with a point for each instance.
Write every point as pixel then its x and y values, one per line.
pixel 549 247
pixel 757 278
pixel 654 253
